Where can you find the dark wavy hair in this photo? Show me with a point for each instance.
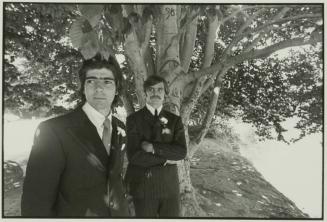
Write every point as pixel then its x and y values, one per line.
pixel 153 80
pixel 98 62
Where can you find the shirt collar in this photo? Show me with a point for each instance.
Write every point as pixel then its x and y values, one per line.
pixel 94 116
pixel 152 110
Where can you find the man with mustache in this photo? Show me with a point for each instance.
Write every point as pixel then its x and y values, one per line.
pixel 155 141
pixel 75 165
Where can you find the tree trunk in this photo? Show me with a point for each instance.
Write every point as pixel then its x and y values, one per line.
pixel 189 204
pixel 136 61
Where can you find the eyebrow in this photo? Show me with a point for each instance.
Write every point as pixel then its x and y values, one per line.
pixel 103 78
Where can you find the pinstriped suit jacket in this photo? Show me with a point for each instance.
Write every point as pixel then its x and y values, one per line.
pixel 146 175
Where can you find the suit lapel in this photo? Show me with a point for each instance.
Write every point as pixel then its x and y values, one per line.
pixel 147 123
pixel 116 144
pixel 87 136
pixel 147 115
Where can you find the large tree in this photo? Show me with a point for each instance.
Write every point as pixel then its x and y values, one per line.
pixel 215 58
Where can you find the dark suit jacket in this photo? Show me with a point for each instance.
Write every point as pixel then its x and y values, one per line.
pixel 146 174
pixel 68 170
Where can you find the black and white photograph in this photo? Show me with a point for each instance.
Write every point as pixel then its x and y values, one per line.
pixel 163 110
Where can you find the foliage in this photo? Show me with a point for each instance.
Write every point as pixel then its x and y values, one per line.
pixel 221 130
pixel 39 62
pixel 264 91
pixel 13 175
pixel 270 91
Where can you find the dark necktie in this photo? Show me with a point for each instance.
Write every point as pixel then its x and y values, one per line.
pixel 156 117
pixel 156 127
pixel 106 135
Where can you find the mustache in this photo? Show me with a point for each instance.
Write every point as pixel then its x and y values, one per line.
pixel 153 97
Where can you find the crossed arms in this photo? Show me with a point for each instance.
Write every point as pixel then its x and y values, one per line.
pixel 145 154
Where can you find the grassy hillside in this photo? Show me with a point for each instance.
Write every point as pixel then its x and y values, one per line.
pixel 231 187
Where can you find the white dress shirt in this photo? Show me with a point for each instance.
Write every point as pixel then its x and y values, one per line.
pixel 96 118
pixel 152 110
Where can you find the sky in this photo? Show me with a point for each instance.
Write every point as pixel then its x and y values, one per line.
pixel 295 170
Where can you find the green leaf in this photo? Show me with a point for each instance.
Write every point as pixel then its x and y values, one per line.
pixel 90 45
pixel 76 32
pixel 91 12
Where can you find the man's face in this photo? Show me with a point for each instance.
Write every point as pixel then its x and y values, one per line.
pixel 100 89
pixel 155 95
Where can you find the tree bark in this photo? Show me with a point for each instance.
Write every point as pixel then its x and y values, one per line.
pixel 169 66
pixel 136 61
pixel 190 206
pixel 167 42
pixel 187 45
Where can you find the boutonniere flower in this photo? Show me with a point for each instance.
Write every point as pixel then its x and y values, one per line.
pixel 121 131
pixel 163 120
pixel 166 131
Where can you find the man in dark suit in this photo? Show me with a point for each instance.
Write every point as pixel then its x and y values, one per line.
pixel 155 141
pixel 75 165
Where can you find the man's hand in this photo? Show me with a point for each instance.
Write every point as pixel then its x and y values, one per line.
pixel 170 162
pixel 147 147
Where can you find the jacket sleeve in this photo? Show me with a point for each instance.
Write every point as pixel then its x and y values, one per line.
pixel 135 154
pixel 44 167
pixel 176 150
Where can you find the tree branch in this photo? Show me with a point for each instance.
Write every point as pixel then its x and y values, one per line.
pixel 203 72
pixel 211 111
pixel 192 99
pixel 238 34
pixel 210 40
pixel 273 48
pixel 178 34
pixel 201 86
pixel 278 21
pixel 208 57
pixel 148 30
pixel 136 62
pixel 209 81
pixel 254 42
pixel 239 10
pixel 242 9
pixel 167 39
pixel 252 55
pixel 187 45
pixel 149 61
pixel 282 13
pixel 267 29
